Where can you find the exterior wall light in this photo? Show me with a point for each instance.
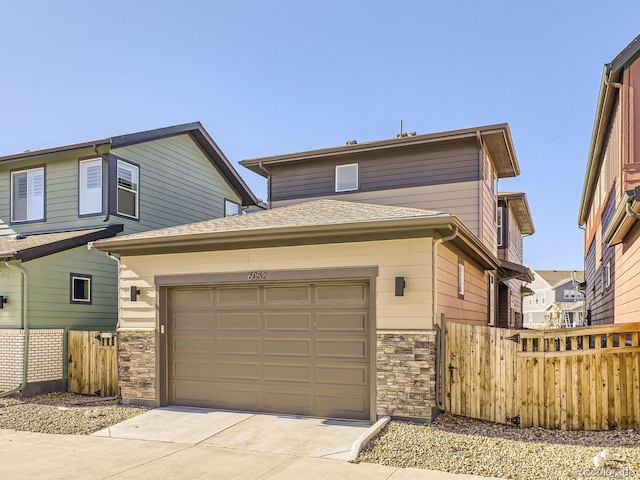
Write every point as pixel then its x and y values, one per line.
pixel 133 293
pixel 400 284
pixel 3 300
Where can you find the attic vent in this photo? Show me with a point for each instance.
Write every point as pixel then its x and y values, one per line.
pixel 352 142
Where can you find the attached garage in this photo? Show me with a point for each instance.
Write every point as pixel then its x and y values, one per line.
pixel 296 348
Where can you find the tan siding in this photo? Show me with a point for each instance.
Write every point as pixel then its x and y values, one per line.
pixel 627 280
pixel 459 199
pixel 514 242
pixel 407 258
pixel 489 234
pixel 474 307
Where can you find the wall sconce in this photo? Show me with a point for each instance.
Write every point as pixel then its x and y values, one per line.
pixel 133 293
pixel 400 284
pixel 3 300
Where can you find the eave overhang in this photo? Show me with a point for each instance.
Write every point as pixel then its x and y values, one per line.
pixel 621 222
pixel 305 235
pixel 518 203
pixel 497 138
pixel 510 270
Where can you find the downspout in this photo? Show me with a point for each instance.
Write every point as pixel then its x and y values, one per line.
pixel 117 260
pixel 434 291
pixel 106 159
pixel 25 327
pixel 268 183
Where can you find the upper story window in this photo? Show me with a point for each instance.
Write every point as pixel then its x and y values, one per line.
pixel 27 195
pixel 571 294
pixel 346 177
pixel 500 222
pixel 461 279
pixel 231 208
pixel 128 189
pixel 90 178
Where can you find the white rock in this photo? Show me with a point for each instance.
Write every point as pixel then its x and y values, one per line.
pixel 606 454
pixel 598 461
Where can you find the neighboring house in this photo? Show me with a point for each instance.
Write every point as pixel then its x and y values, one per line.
pixel 327 304
pixel 455 172
pixel 514 221
pixel 54 201
pixel 556 300
pixel 609 206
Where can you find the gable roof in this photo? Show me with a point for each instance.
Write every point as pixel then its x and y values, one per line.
pixel 320 221
pixel 31 246
pixel 518 203
pixel 497 138
pixel 195 130
pixel 555 277
pixel 611 75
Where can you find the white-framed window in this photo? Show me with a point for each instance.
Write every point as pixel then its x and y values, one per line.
pixel 492 299
pixel 346 177
pixel 461 279
pixel 607 275
pixel 128 189
pixel 80 288
pixel 27 195
pixel 90 201
pixel 499 222
pixel 570 294
pixel 231 208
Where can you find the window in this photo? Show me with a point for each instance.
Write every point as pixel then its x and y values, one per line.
pixel 461 279
pixel 346 177
pixel 27 195
pixel 80 288
pixel 127 198
pixel 570 294
pixel 607 275
pixel 499 213
pixel 492 299
pixel 90 201
pixel 231 208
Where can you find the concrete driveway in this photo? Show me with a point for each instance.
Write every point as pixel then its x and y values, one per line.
pixel 257 432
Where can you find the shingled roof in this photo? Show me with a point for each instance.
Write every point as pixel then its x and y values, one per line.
pixel 554 277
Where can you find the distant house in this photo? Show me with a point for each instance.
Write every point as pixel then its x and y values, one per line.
pixel 610 197
pixel 328 303
pixel 556 300
pixel 54 202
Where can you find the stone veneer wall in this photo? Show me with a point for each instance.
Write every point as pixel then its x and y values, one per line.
pixel 137 366
pixel 406 375
pixel 45 356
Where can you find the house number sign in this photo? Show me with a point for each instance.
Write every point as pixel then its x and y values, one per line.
pixel 257 276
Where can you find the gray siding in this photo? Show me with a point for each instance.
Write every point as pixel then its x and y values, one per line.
pixel 380 171
pixel 459 199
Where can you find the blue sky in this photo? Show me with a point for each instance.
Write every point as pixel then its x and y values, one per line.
pixel 274 77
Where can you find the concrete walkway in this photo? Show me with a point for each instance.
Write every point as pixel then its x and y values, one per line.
pixel 200 444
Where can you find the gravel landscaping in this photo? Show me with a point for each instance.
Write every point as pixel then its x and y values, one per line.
pixel 63 413
pixel 462 445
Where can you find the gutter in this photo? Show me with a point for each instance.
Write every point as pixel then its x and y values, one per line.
pixel 623 218
pixel 25 327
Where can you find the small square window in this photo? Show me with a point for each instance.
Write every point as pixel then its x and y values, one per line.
pixel 80 288
pixel 461 279
pixel 346 177
pixel 231 208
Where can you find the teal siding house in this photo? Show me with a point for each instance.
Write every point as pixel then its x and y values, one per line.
pixel 55 202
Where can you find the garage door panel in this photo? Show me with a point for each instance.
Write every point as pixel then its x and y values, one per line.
pixel 342 348
pixel 343 293
pixel 192 344
pixel 283 347
pixel 238 346
pixel 341 322
pixel 286 401
pixel 237 397
pixel 287 295
pixel 347 405
pixel 238 321
pixel 192 297
pixel 278 372
pixel 287 321
pixel 193 368
pixel 238 295
pixel 193 321
pixel 355 375
pixel 246 371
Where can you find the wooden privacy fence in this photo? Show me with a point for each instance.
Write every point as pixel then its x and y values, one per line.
pixel 585 378
pixel 93 363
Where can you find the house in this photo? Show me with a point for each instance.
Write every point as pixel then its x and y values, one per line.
pixel 609 206
pixel 54 202
pixel 328 303
pixel 513 221
pixel 556 300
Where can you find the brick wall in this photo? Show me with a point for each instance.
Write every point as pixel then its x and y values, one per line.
pixel 45 356
pixel 137 366
pixel 406 375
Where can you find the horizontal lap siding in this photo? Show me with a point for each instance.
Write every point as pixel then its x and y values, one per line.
pixel 459 199
pixel 178 184
pixel 489 234
pixel 376 172
pixel 627 292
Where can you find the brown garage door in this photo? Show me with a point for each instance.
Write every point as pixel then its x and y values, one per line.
pixel 288 348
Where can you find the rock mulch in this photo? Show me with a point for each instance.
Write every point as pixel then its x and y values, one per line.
pixel 63 413
pixel 462 445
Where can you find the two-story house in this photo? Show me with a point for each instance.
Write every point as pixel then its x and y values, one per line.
pixel 609 206
pixel 556 300
pixel 328 303
pixel 54 202
pixel 514 222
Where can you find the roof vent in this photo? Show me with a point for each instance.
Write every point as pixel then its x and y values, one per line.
pixel 401 135
pixel 412 134
pixel 352 142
